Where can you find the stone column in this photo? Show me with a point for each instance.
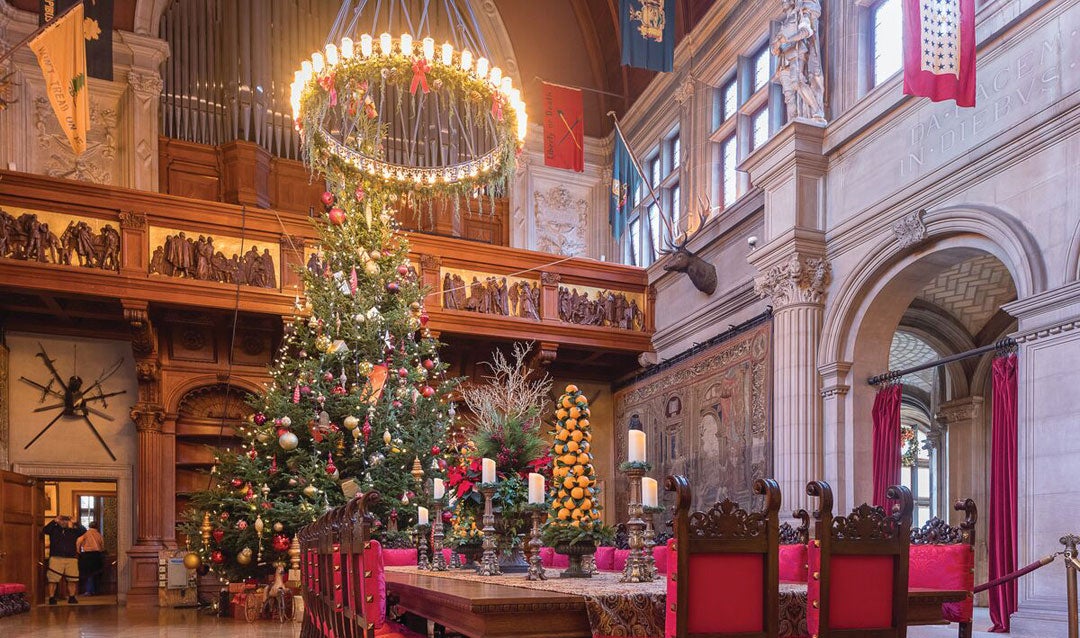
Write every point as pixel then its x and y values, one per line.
pixel 145 103
pixel 797 289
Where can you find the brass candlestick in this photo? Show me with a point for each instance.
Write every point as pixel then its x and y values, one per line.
pixel 636 571
pixel 650 542
pixel 421 547
pixel 536 564
pixel 489 564
pixel 438 561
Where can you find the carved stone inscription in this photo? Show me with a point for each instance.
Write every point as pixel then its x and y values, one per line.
pixel 178 255
pixel 612 309
pixel 31 236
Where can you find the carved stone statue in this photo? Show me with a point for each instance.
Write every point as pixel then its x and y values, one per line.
pixel 797 48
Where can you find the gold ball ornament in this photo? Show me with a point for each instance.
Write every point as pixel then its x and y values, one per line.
pixel 244 557
pixel 192 560
pixel 350 422
pixel 311 491
pixel 278 527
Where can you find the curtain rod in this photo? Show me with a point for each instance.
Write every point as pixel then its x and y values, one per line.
pixel 578 88
pixel 1008 343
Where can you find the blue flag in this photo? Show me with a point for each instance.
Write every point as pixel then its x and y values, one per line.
pixel 625 181
pixel 648 33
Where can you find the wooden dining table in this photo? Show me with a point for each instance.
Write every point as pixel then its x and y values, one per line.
pixel 514 608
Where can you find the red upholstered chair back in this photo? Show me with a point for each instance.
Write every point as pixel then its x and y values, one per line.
pixel 859 568
pixel 943 557
pixel 793 542
pixel 723 567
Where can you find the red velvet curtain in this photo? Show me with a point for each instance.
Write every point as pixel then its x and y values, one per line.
pixel 886 442
pixel 1003 492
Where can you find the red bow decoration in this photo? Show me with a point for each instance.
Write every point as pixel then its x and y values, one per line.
pixel 497 101
pixel 419 79
pixel 327 83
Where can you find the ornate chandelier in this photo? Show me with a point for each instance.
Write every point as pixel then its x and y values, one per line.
pixel 410 117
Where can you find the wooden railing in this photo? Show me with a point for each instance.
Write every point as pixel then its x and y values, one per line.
pixel 82 239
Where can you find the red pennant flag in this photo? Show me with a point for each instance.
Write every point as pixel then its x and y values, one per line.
pixel 564 128
pixel 939 50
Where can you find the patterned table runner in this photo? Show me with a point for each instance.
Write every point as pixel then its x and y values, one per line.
pixel 624 609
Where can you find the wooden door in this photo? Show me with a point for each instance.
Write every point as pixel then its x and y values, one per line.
pixel 21 520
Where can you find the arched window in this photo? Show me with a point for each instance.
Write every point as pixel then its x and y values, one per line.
pixel 885 32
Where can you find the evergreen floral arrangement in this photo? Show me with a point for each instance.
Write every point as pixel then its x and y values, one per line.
pixel 343 101
pixel 357 392
pixel 575 512
pixel 909 445
pixel 505 412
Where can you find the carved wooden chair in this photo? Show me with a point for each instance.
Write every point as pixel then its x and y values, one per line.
pixel 793 547
pixel 858 586
pixel 723 567
pixel 943 557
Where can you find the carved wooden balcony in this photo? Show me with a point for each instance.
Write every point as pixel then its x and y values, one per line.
pixel 102 242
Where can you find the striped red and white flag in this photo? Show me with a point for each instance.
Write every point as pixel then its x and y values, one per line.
pixel 939 50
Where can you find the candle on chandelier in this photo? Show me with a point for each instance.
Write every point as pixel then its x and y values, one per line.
pixel 488 473
pixel 331 54
pixel 346 48
pixel 481 67
pixel 447 54
pixel 386 45
pixel 421 516
pixel 365 45
pixel 438 488
pixel 429 48
pixel 506 86
pixel 406 45
pixel 466 60
pixel 317 62
pixel 307 70
pixel 636 443
pixel 536 488
pixel 649 492
pixel 496 76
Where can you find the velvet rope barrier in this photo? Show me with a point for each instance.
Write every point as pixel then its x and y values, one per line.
pixel 1045 560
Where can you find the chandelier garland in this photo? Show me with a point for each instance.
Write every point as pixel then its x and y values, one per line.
pixel 349 103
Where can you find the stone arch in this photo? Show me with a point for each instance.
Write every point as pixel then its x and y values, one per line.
pixel 1072 264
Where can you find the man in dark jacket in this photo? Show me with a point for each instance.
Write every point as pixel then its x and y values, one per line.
pixel 63 534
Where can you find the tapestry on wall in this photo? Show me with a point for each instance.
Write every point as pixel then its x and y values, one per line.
pixel 706 417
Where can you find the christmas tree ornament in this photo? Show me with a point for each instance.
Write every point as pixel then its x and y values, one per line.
pixel 259 525
pixel 428 391
pixel 330 467
pixel 311 491
pixel 405 498
pixel 393 287
pixel 350 422
pixel 288 441
pixel 219 535
pixel 237 483
pixel 403 270
pixel 278 527
pixel 241 525
pixel 192 560
pixel 286 422
pixel 386 437
pixel 281 543
pixel 245 556
pixel 217 557
pixel 428 364
pixel 327 199
pixel 336 215
pixel 258 418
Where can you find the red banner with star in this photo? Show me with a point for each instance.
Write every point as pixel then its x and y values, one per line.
pixel 939 50
pixel 564 128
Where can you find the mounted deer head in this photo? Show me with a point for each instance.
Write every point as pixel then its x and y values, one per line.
pixel 701 273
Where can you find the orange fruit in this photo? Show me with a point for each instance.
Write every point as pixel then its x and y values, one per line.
pixel 576 514
pixel 569 482
pixel 572 446
pixel 564 434
pixel 586 504
pixel 566 402
pixel 564 514
pixel 577 435
pixel 560 413
pixel 559 449
pixel 570 424
pixel 581 400
pixel 562 493
pixel 583 458
pixel 583 481
pixel 570 389
pixel 584 423
pixel 577 493
pixel 579 469
pixel 575 413
pixel 569 459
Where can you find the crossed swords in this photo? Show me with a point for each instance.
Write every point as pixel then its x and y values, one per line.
pixel 73 400
pixel 569 129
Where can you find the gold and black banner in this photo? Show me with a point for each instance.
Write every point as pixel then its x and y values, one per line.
pixel 97 29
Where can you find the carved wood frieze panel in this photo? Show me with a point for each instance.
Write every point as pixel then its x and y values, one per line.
pixel 490 294
pixel 599 307
pixel 208 258
pixel 57 238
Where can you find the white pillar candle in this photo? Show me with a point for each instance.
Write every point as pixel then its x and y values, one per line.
pixel 648 492
pixel 365 45
pixel 488 474
pixel 429 48
pixel 331 54
pixel 466 60
pixel 481 68
pixel 421 516
pixel 406 45
pixel 636 442
pixel 317 62
pixel 536 488
pixel 447 54
pixel 386 45
pixel 496 76
pixel 438 489
pixel 346 48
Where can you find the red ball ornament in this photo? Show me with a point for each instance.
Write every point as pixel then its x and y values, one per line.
pixel 281 543
pixel 217 557
pixel 224 516
pixel 336 216
pixel 328 198
pixel 260 418
pixel 338 390
pixel 435 450
pixel 447 516
pixel 403 270
pixel 328 376
pixel 366 431
pixel 402 372
pixel 393 287
pixel 424 318
pixel 236 483
pixel 218 535
pixel 428 391
pixel 428 364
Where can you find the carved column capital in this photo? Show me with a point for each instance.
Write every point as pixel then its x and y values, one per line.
pixel 143 342
pixel 131 220
pixel 910 229
pixel 145 84
pixel 430 262
pixel 801 279
pixel 550 278
pixel 147 417
pixel 959 410
pixel 291 242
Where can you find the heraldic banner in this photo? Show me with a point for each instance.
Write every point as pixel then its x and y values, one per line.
pixel 648 33
pixel 97 31
pixel 625 181
pixel 939 50
pixel 62 55
pixel 564 128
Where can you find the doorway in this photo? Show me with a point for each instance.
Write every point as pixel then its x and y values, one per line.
pixel 91 504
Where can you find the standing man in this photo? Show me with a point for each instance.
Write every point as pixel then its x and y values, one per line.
pixel 91 546
pixel 63 535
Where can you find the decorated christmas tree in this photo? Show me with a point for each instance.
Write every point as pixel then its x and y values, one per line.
pixel 357 393
pixel 575 508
